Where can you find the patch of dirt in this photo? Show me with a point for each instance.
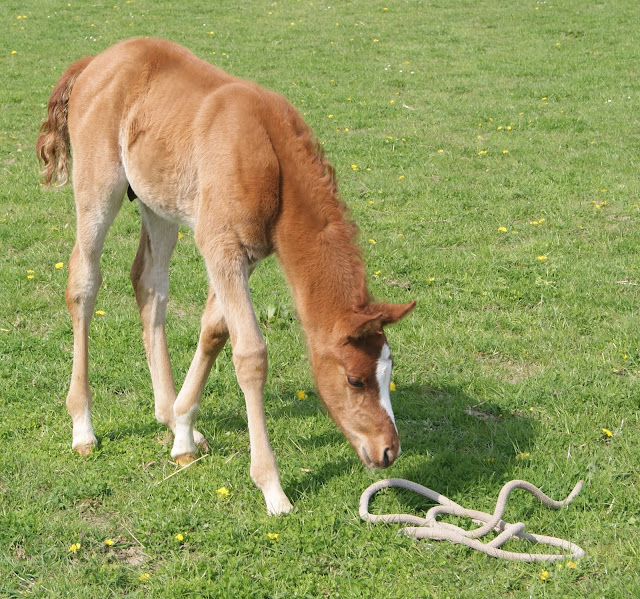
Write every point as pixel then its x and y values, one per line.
pixel 479 414
pixel 134 556
pixel 513 371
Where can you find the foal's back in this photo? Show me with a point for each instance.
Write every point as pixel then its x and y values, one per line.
pixel 174 123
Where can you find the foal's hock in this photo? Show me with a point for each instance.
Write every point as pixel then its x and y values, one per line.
pixel 238 165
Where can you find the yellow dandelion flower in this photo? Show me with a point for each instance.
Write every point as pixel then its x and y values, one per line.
pixel 505 151
pixel 59 264
pixel 374 40
pixel 14 51
pixel 145 576
pixel 523 456
pixel 179 537
pixel 607 433
pixel 400 177
pixel 180 235
pixel 300 394
pixel 222 492
pixel 431 279
pixel 542 258
pixel 330 116
pixel 29 276
pixel 392 386
pixel 354 167
pixel 502 229
pixel 482 152
pixel 440 151
pixel 273 536
pixel 75 547
pixel 372 241
pixel 100 312
pixel 109 542
pixel 392 101
pixel 544 575
pixel 377 272
pixel 571 564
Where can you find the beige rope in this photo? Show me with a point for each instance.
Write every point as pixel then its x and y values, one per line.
pixel 429 528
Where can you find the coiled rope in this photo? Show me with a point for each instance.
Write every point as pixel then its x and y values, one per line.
pixel 429 527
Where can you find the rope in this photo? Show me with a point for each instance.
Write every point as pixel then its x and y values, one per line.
pixel 429 527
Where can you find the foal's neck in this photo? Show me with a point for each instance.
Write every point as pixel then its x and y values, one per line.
pixel 315 241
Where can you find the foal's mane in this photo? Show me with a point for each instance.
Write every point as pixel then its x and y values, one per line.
pixel 338 264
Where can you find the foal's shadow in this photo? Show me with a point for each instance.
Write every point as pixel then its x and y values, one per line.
pixel 450 442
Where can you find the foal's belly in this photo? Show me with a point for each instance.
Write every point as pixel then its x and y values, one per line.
pixel 163 181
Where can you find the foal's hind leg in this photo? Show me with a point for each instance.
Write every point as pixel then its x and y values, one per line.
pixel 97 203
pixel 150 279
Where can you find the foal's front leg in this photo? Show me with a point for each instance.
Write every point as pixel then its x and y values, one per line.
pixel 230 313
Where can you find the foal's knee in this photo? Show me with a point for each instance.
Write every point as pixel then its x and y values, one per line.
pixel 213 338
pixel 251 364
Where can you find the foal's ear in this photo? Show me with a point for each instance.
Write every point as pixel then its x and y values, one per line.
pixel 392 313
pixel 361 324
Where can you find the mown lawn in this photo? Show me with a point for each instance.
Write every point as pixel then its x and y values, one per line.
pixel 489 153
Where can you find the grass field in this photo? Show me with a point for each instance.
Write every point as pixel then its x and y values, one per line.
pixel 489 152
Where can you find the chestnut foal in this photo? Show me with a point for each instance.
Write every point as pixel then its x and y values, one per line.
pixel 238 165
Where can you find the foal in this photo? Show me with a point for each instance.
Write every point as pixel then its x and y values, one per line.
pixel 238 165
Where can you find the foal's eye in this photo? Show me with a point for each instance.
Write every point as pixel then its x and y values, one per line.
pixel 354 381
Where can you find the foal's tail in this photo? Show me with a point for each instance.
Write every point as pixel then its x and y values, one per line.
pixel 53 144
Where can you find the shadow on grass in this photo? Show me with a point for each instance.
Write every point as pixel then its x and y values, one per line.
pixel 451 442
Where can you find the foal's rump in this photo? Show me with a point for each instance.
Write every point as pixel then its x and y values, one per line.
pixel 174 127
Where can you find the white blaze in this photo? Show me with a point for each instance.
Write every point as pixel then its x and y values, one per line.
pixel 383 374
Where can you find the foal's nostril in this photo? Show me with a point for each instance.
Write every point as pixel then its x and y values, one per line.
pixel 385 458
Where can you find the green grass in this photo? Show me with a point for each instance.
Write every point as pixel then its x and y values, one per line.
pixel 426 98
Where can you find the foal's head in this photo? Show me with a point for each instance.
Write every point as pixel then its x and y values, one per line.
pixel 353 374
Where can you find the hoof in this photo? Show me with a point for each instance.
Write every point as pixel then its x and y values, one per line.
pixel 200 441
pixel 204 445
pixel 185 459
pixel 85 449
